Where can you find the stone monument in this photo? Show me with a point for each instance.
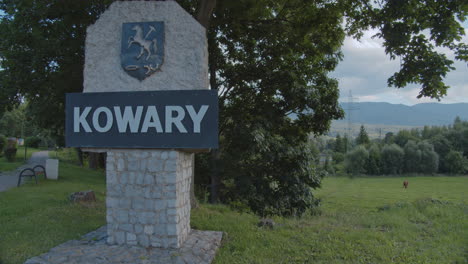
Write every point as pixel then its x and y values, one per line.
pixel 146 104
pixel 144 46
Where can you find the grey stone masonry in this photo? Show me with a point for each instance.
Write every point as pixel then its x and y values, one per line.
pixel 185 64
pixel 200 248
pixel 148 197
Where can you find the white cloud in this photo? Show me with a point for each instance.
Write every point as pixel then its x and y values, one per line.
pixel 366 68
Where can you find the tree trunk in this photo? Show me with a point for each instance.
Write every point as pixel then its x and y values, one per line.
pixel 193 199
pixel 204 13
pixel 93 160
pixel 215 179
pixel 205 10
pixel 102 160
pixel 79 152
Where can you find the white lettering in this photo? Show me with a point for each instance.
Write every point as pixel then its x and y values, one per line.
pixel 109 119
pixel 196 117
pixel 80 119
pixel 151 120
pixel 176 120
pixel 128 119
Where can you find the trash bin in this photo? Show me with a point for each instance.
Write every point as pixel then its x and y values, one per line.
pixel 52 169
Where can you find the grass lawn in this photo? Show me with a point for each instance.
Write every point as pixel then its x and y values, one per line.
pixel 8 166
pixel 35 218
pixel 363 220
pixel 68 155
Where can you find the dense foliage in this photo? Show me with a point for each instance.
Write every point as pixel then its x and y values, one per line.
pixel 427 151
pixel 269 61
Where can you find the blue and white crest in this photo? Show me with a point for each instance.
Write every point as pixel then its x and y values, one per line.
pixel 142 52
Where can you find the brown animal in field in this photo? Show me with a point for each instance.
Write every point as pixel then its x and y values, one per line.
pixel 405 184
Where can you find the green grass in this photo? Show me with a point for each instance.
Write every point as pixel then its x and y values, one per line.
pixel 35 218
pixel 68 155
pixel 363 220
pixel 427 223
pixel 9 166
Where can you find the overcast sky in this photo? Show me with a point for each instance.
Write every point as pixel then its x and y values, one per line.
pixel 366 68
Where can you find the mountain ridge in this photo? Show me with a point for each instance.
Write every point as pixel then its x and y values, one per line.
pixel 431 114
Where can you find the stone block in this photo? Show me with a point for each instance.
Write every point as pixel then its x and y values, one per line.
pixel 149 204
pixel 171 230
pixel 120 165
pixel 149 179
pixel 133 165
pixel 138 203
pixel 123 178
pixel 139 178
pixel 149 229
pixel 173 154
pixel 170 165
pixel 112 202
pixel 131 239
pixel 119 237
pixel 143 164
pixel 143 240
pixel 160 205
pixel 126 227
pixel 138 228
pixel 125 203
pixel 154 166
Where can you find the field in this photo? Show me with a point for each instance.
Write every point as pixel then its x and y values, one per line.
pixel 373 130
pixel 362 220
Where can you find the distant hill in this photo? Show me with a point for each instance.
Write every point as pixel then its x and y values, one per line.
pixel 431 114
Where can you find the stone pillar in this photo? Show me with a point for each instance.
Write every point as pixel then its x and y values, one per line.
pixel 148 197
pixel 148 191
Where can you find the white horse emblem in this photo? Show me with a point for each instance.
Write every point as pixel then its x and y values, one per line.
pixel 145 44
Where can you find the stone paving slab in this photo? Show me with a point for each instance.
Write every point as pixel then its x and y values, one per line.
pixel 199 248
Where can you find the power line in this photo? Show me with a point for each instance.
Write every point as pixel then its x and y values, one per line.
pixel 350 107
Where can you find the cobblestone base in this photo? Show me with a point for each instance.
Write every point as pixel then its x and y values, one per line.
pixel 200 247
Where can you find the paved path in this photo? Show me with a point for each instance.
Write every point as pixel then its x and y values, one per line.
pixel 10 179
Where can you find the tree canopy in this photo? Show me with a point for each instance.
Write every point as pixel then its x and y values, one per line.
pixel 268 59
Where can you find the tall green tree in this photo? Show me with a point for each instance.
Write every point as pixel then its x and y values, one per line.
pixel 267 59
pixel 403 137
pixel 374 163
pixel 429 158
pixel 340 144
pixel 456 163
pixel 392 159
pixel 362 138
pixel 412 157
pixel 356 160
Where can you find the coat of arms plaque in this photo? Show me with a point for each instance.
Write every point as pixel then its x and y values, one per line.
pixel 142 51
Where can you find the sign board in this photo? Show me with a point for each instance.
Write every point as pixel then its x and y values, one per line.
pixel 185 119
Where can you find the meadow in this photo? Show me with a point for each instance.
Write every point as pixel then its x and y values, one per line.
pixel 361 220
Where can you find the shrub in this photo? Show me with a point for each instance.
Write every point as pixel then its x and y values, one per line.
pixel 392 159
pixel 10 154
pixel 355 161
pixel 412 162
pixel 456 163
pixel 338 157
pixel 429 158
pixel 373 165
pixel 2 144
pixel 33 142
